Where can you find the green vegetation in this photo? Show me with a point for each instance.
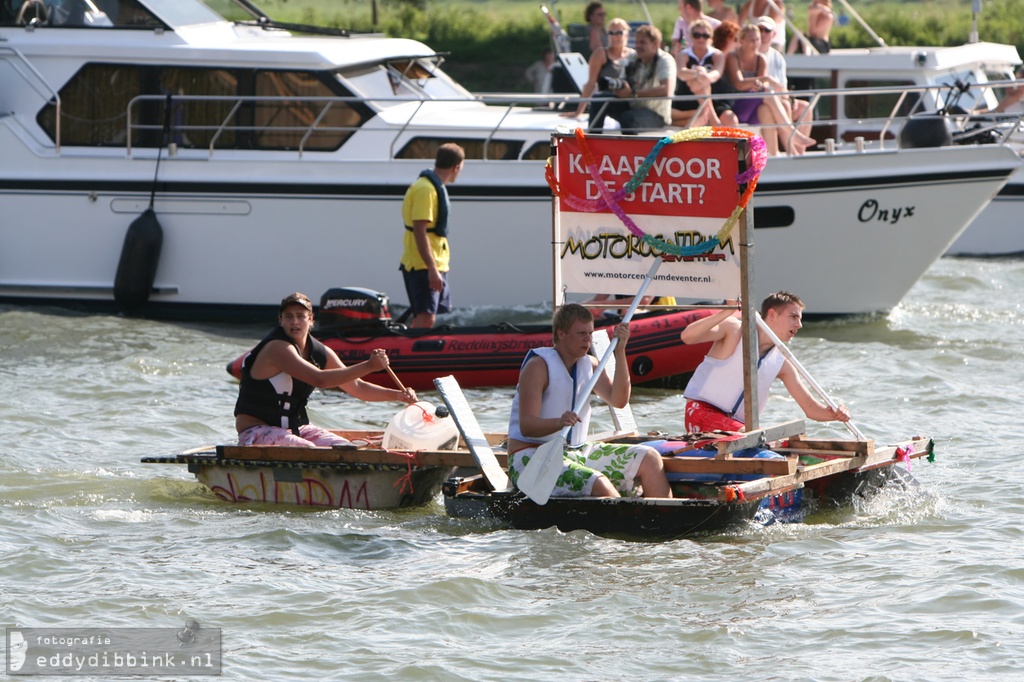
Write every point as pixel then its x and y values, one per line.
pixel 490 43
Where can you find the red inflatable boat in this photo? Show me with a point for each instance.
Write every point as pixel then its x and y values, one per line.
pixel 352 322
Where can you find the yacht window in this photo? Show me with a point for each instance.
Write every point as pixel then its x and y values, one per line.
pixel 208 105
pixel 989 98
pixel 825 108
pixel 101 13
pixel 426 148
pixel 93 104
pixel 540 151
pixel 195 122
pixel 402 80
pixel 963 90
pixel 284 124
pixel 181 12
pixel 428 77
pixel 878 105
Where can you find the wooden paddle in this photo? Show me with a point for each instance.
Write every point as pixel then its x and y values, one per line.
pixel 788 354
pixel 537 479
pixel 398 382
pixel 471 432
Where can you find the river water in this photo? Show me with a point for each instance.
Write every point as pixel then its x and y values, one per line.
pixel 921 585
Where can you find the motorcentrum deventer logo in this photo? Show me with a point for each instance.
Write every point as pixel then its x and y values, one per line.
pixel 191 650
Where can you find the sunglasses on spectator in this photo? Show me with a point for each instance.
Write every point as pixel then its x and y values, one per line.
pixel 616 33
pixel 698 36
pixel 763 29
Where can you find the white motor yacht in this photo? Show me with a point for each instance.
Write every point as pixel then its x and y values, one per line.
pixel 276 162
pixel 961 82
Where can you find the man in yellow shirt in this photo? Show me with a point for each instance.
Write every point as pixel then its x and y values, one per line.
pixel 425 253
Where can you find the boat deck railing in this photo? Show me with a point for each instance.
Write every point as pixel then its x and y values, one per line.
pixel 875 130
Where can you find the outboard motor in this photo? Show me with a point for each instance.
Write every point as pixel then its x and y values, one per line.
pixel 348 308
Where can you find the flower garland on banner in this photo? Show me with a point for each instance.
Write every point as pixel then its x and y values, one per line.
pixel 610 201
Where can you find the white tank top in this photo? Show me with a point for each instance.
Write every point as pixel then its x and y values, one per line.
pixel 558 397
pixel 720 382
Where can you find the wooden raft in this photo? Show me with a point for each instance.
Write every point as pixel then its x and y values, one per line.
pixel 423 458
pixel 840 456
pixel 364 449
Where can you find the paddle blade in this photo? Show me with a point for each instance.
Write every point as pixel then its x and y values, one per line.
pixel 538 477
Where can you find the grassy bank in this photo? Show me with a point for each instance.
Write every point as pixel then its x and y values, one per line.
pixel 491 43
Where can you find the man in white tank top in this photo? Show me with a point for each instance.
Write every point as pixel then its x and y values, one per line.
pixel 549 381
pixel 715 392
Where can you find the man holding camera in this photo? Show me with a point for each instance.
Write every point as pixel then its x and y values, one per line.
pixel 641 101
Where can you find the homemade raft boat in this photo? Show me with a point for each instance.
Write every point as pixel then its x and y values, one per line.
pixel 718 481
pixel 365 478
pixel 354 321
pixel 402 466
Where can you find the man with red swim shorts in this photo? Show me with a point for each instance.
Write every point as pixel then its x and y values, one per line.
pixel 715 392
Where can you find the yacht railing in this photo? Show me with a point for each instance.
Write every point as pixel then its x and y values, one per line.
pixel 875 129
pixel 403 128
pixel 225 126
pixel 51 93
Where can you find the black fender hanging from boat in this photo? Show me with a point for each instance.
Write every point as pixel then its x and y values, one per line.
pixel 140 257
pixel 926 130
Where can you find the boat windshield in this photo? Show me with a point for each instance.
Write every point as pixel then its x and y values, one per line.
pixel 395 81
pixel 998 76
pixel 962 89
pixel 106 13
pixel 182 12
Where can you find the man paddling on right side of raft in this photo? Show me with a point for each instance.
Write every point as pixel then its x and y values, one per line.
pixel 715 392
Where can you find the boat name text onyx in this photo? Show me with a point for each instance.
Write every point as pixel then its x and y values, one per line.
pixel 869 211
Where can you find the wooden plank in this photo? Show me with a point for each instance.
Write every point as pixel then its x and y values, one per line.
pixel 818 453
pixel 424 458
pixel 753 439
pixel 859 447
pixel 201 450
pixel 376 437
pixel 360 435
pixel 729 465
pixel 877 457
pixel 471 432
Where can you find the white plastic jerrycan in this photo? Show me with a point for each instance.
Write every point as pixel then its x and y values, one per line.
pixel 421 426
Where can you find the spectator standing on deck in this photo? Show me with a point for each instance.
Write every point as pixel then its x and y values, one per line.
pixel 538 74
pixel 425 255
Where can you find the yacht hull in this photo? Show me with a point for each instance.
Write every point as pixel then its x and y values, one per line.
pixel 850 232
pixel 998 230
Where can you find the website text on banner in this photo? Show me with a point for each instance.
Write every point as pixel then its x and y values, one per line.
pixel 688 192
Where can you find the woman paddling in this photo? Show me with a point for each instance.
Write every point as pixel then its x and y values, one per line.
pixel 280 373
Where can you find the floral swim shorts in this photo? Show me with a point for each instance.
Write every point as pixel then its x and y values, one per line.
pixel 581 467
